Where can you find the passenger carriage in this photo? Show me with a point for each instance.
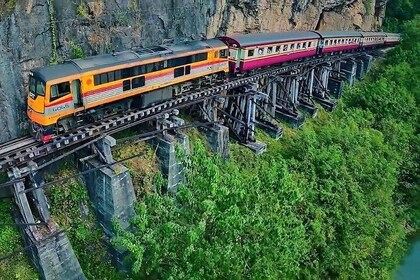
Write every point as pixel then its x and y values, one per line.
pixel 373 39
pixel 339 41
pixel 392 39
pixel 252 51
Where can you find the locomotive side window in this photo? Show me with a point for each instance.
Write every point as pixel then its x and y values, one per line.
pixel 126 85
pixel 178 72
pixel 59 90
pixel 117 75
pixel 104 78
pixel 36 86
pixel 223 54
pixel 111 76
pixel 138 82
pixel 125 73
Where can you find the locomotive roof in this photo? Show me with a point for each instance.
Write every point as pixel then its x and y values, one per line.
pixel 333 34
pixel 96 62
pixel 52 72
pixel 246 40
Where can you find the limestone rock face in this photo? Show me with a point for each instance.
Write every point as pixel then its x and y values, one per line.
pixel 34 32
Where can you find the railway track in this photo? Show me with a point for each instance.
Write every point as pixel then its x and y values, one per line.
pixel 19 151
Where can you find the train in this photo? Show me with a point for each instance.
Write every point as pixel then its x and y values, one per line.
pixel 64 96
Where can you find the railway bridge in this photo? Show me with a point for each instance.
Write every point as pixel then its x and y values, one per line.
pixel 234 109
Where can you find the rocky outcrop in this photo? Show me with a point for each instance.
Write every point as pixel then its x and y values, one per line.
pixel 34 32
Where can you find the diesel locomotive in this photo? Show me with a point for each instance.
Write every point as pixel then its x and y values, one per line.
pixel 64 96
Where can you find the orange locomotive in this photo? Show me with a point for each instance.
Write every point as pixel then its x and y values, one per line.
pixel 63 96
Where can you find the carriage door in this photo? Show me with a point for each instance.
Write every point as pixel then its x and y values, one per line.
pixel 77 94
pixel 238 58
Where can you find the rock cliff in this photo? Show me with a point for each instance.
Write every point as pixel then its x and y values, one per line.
pixel 34 33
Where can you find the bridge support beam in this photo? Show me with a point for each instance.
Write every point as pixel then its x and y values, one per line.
pixel 321 93
pixel 48 247
pixel 239 113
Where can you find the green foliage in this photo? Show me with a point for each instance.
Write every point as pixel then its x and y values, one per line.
pixel 76 50
pixel 71 210
pixel 144 169
pixel 393 99
pixel 82 9
pixel 324 212
pixel 6 8
pixel 18 266
pixel 53 29
pixel 331 201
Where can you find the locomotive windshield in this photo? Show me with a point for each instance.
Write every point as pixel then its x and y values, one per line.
pixel 36 87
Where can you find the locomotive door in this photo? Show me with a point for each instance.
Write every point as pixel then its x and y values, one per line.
pixel 77 94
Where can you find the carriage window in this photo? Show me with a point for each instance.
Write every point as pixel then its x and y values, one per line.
pixel 223 54
pixel 309 44
pixel 285 48
pixel 335 42
pixel 250 53
pixel 292 46
pixel 278 48
pixel 269 49
pixel 304 45
pixel 261 51
pixel 59 90
pixel 138 82
pixel 126 85
pixel 327 42
pixel 298 46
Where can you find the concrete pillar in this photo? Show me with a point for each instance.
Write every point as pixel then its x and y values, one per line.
pixel 217 139
pixel 111 191
pixel 54 257
pixel 166 151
